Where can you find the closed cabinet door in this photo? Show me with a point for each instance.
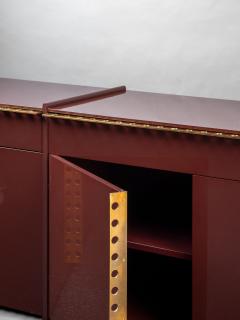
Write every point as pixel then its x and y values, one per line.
pixel 216 249
pixel 87 245
pixel 21 230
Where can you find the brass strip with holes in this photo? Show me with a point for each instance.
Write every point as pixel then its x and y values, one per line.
pixel 5 108
pixel 118 266
pixel 144 126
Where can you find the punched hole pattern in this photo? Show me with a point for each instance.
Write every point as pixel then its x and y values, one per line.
pixel 114 307
pixel 114 290
pixel 115 239
pixel 114 273
pixel 115 256
pixel 115 222
pixel 115 205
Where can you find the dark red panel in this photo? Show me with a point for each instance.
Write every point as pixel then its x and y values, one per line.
pixel 20 230
pixel 216 249
pixel 153 149
pixel 20 131
pixel 79 243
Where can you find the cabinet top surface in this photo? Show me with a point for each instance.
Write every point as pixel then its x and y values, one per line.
pixel 182 111
pixel 32 94
pixel 142 107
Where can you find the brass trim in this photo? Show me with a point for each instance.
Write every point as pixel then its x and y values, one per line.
pixel 23 110
pixel 199 132
pixel 118 298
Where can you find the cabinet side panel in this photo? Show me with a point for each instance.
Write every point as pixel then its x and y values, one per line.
pixel 216 249
pixel 21 230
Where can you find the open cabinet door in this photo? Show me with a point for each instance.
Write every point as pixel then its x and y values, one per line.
pixel 87 245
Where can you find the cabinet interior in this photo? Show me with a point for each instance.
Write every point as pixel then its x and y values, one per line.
pixel 159 238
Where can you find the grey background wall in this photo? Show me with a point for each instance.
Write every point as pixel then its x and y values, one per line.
pixel 187 47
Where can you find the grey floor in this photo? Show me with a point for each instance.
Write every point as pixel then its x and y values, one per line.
pixel 5 315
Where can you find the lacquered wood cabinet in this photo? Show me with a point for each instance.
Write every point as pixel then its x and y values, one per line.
pixel 139 210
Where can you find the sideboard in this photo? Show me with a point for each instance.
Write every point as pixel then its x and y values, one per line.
pixel 118 204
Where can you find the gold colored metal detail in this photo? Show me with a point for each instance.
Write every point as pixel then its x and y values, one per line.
pixel 223 134
pixel 6 108
pixel 72 216
pixel 118 256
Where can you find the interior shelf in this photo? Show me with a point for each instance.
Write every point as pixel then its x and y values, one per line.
pixel 159 206
pixel 166 241
pixel 158 287
pixel 159 238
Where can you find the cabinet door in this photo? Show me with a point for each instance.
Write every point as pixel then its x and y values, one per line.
pixel 216 249
pixel 21 230
pixel 88 244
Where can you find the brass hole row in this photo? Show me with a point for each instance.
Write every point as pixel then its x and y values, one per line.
pixel 115 256
pixel 118 256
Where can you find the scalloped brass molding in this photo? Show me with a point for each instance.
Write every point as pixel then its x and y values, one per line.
pixel 32 111
pixel 22 110
pixel 199 132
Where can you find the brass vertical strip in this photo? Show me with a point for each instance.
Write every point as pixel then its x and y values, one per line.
pixel 118 256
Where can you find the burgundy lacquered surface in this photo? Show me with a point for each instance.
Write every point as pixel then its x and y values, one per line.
pixel 34 93
pixel 171 242
pixel 20 230
pixel 216 251
pixel 169 109
pixel 79 243
pixel 173 110
pixel 79 206
pixel 153 149
pixel 20 131
pixel 84 98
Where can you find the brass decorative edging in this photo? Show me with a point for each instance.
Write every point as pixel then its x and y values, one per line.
pixel 5 108
pixel 118 256
pixel 144 126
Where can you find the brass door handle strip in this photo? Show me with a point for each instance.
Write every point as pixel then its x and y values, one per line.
pixel 143 126
pixel 118 256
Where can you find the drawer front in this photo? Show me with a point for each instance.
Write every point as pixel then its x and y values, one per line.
pixel 21 131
